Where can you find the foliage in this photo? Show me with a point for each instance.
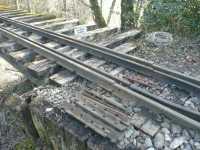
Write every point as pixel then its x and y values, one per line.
pixel 179 16
pixel 127 15
pixel 26 144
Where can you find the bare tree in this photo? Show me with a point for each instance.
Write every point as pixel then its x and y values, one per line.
pixel 98 18
pixel 84 3
pixel 28 5
pixel 111 11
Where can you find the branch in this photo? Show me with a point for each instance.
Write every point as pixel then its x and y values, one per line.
pixel 111 11
pixel 84 3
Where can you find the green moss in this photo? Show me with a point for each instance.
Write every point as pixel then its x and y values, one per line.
pixel 47 132
pixel 40 128
pixel 26 144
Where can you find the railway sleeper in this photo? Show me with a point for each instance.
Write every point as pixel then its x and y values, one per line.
pixel 38 18
pixel 143 126
pixel 145 66
pixel 23 56
pixel 71 31
pixel 61 25
pixel 62 77
pixel 121 91
pixel 46 22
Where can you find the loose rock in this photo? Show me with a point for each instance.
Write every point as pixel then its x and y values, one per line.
pixel 176 129
pixel 177 142
pixel 160 38
pixel 159 141
pixel 148 142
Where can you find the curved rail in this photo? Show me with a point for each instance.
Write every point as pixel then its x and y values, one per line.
pixel 103 79
pixel 124 60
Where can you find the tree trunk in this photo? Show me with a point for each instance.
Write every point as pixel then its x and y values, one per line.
pixel 28 5
pixel 98 18
pixel 65 8
pixel 111 11
pixel 17 4
pixel 127 15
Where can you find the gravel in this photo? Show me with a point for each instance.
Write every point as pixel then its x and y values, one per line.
pixel 182 55
pixel 57 95
pixel 159 141
pixel 169 136
pixel 160 39
pixel 177 142
pixel 164 90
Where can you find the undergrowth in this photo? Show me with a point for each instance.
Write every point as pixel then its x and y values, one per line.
pixel 176 16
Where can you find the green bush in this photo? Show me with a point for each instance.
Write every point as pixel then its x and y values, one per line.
pixel 177 16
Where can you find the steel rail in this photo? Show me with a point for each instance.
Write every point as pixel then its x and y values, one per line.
pixel 193 114
pixel 124 60
pixel 101 78
pixel 177 107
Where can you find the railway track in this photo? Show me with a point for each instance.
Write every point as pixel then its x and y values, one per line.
pixel 108 69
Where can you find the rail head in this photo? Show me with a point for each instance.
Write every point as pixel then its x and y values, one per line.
pixel 186 82
pixel 99 78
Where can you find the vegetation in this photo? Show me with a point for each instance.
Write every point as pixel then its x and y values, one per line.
pixel 26 144
pixel 177 16
pixel 127 15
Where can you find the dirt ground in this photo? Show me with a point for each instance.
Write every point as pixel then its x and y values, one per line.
pixel 183 55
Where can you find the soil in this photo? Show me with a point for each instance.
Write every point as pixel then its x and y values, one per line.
pixel 182 55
